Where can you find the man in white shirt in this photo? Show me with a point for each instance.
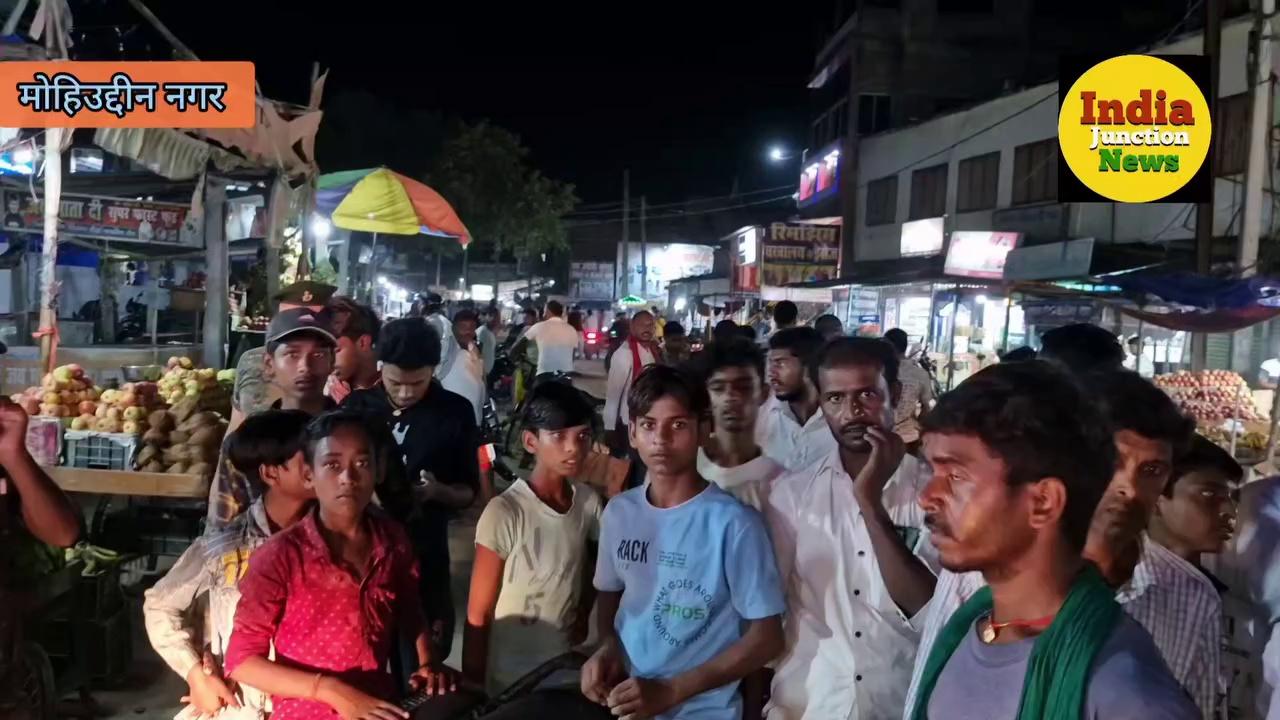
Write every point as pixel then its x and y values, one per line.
pixel 1174 601
pixel 556 340
pixel 917 392
pixel 791 428
pixel 730 457
pixel 852 550
pixel 487 338
pixel 633 356
pixel 461 368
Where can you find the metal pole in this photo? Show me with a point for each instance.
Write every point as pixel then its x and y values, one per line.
pixel 644 255
pixel 373 269
pixel 217 267
pixel 49 250
pixel 1008 310
pixel 951 331
pixel 1204 211
pixel 626 225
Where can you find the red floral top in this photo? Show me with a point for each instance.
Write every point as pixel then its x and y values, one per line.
pixel 320 617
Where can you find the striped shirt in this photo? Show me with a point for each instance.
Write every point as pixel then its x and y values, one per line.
pixel 1168 596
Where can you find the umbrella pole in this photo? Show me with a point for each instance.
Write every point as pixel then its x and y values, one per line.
pixel 373 270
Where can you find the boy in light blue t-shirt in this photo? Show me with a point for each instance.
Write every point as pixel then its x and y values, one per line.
pixel 690 601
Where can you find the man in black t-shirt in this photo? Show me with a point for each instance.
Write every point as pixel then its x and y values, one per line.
pixel 435 431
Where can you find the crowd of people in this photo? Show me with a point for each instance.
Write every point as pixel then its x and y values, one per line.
pixel 806 532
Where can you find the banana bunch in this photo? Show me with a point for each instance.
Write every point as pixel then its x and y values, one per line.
pixel 97 560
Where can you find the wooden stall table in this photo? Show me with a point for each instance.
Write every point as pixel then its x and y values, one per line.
pixel 173 495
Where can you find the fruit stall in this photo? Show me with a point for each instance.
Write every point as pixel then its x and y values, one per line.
pixel 157 436
pixel 1226 410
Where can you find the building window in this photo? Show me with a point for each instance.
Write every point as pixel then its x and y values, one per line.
pixel 86 160
pixel 1035 172
pixel 929 192
pixel 882 201
pixel 976 185
pixel 1231 128
pixel 873 113
pixel 946 7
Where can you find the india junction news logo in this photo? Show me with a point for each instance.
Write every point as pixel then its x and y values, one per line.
pixel 1135 128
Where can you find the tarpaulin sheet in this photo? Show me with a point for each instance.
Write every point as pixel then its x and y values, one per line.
pixel 1204 292
pixel 1198 321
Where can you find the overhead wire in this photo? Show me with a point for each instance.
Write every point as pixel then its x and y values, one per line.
pixel 670 215
pixel 693 201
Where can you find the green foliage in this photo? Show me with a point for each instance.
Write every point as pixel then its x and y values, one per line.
pixel 509 207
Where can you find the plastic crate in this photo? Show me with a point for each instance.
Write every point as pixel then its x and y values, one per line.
pixel 99 451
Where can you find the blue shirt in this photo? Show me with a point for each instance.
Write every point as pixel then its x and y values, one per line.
pixel 689 576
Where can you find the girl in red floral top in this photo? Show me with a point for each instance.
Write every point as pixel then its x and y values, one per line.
pixel 329 592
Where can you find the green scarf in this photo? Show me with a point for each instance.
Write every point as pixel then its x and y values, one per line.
pixel 1058 670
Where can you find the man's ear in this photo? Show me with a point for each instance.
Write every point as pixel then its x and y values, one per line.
pixel 308 477
pixel 631 432
pixel 529 439
pixel 1048 501
pixel 365 343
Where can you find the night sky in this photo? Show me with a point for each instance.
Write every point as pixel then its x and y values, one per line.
pixel 689 97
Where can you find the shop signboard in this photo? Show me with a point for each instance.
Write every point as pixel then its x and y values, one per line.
pixel 979 254
pixel 1054 261
pixel 797 253
pixel 820 177
pixel 922 237
pixel 591 280
pixel 746 269
pixel 100 217
pixel 1048 314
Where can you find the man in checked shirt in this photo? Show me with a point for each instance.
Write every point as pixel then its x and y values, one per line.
pixel 1176 603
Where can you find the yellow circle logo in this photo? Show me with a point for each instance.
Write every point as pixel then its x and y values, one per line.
pixel 1134 128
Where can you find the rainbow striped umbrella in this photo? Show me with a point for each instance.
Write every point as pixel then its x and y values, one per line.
pixel 379 200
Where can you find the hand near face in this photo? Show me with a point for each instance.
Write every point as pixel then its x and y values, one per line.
pixel 887 451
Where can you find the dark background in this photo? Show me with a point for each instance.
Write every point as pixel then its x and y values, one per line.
pixel 688 95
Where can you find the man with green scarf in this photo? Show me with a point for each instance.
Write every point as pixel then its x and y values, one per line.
pixel 1021 459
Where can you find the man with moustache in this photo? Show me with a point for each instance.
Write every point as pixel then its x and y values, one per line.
pixel 1020 461
pixel 791 428
pixel 852 551
pixel 1165 594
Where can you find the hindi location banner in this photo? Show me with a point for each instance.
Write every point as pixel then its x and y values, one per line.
pixel 179 94
pixel 796 253
pixel 94 216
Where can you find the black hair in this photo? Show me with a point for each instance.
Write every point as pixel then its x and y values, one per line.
pixel 1204 454
pixel 897 337
pixel 530 311
pixel 659 381
pixel 746 332
pixel 556 406
pixel 352 320
pixel 672 328
pixel 803 342
pixel 465 314
pixel 1019 354
pixel 555 308
pixel 1131 403
pixel 270 437
pixel 828 324
pixel 1041 424
pixel 724 330
pixel 846 351
pixel 785 313
pixel 737 352
pixel 1082 348
pixel 409 343
pixel 327 424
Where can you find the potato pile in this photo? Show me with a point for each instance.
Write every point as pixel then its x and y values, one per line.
pixel 182 440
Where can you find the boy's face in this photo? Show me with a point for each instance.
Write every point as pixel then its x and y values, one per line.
pixel 465 332
pixel 351 355
pixel 404 387
pixel 1201 514
pixel 300 365
pixel 342 475
pixel 735 398
pixel 289 479
pixel 562 452
pixel 667 437
pixel 786 375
